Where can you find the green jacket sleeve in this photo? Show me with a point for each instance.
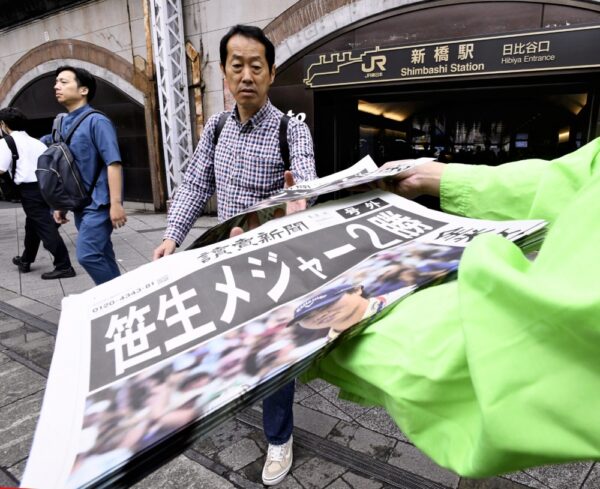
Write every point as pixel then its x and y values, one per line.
pixel 499 370
pixel 528 189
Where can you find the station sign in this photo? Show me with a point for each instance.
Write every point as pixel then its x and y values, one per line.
pixel 547 50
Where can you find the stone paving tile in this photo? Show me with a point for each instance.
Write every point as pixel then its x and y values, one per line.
pixel 11 284
pixel 8 323
pixel 489 483
pixel 318 473
pixel 17 425
pixel 223 436
pixel 564 476
pixel 3 358
pixel 6 294
pixel 52 316
pixel 28 342
pixel 240 454
pixel 301 456
pixel 17 470
pixel 15 332
pixel 6 480
pixel 183 472
pixel 312 421
pixel 350 408
pixel 75 285
pixel 302 391
pixel 593 479
pixel 17 382
pixel 31 306
pixel 360 482
pixel 339 484
pixel 289 482
pixel 362 440
pixel 410 458
pixel 343 433
pixel 322 405
pixel 373 444
pixel 318 385
pixel 35 291
pixel 53 301
pixel 377 419
pixel 525 479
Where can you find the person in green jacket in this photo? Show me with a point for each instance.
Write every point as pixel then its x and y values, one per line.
pixel 500 369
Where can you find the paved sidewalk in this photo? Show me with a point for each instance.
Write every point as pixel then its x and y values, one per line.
pixel 338 445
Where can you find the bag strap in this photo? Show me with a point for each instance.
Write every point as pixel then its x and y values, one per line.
pixel 74 125
pixel 283 141
pixel 220 125
pixel 56 129
pixel 10 142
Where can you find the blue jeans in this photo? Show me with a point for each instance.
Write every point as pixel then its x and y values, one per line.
pixel 94 248
pixel 278 415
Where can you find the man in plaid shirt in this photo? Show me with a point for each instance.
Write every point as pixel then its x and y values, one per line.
pixel 245 167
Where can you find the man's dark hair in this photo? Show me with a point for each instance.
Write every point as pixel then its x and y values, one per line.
pixel 13 118
pixel 83 78
pixel 251 32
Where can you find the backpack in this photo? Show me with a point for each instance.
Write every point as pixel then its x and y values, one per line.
pixel 283 142
pixel 8 188
pixel 58 176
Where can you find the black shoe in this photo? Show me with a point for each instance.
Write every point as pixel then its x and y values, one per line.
pixel 24 266
pixel 56 273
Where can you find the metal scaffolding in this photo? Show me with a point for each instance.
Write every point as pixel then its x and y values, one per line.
pixel 172 84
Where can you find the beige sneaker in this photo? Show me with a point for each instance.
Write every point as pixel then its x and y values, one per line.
pixel 278 463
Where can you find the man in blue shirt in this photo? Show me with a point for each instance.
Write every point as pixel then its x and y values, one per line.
pixel 94 145
pixel 244 167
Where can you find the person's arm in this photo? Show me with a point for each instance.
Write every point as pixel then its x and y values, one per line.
pixel 423 179
pixel 118 216
pixel 46 139
pixel 192 194
pixel 105 139
pixel 302 160
pixel 528 189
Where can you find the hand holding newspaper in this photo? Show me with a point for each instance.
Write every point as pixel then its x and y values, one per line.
pixel 362 173
pixel 152 359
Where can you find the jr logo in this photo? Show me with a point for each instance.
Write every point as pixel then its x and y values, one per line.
pixel 376 61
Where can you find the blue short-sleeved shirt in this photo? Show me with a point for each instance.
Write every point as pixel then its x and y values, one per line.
pixel 93 143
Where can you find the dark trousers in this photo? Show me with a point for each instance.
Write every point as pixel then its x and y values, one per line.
pixel 40 226
pixel 94 248
pixel 278 415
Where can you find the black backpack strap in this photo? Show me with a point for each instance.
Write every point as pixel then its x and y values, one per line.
pixel 57 126
pixel 76 123
pixel 220 125
pixel 72 129
pixel 283 141
pixel 10 142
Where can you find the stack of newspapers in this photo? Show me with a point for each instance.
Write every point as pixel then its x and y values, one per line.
pixel 145 364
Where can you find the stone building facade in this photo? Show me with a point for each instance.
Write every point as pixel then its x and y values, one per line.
pixel 387 117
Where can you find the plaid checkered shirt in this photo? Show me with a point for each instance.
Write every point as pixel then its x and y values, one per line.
pixel 244 167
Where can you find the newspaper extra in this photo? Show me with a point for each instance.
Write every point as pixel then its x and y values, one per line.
pixel 165 345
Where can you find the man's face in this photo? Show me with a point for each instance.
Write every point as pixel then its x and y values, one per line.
pixel 66 90
pixel 247 73
pixel 339 316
